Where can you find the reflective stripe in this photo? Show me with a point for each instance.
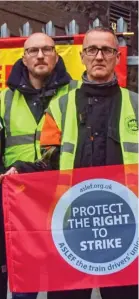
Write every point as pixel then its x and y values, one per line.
pixel 130 147
pixel 21 139
pixel 63 108
pixel 8 106
pixel 48 110
pixel 58 106
pixel 67 147
pixel 74 84
pixel 38 135
pixel 63 103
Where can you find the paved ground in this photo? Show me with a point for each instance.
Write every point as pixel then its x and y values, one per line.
pixel 95 295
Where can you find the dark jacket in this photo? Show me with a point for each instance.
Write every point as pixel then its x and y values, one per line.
pixel 98 112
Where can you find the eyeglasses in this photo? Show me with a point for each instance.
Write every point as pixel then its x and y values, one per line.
pixel 106 51
pixel 34 51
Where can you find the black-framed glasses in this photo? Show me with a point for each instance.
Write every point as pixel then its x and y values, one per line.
pixel 106 51
pixel 46 50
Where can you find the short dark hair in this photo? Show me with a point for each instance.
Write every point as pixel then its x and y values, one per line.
pixel 103 29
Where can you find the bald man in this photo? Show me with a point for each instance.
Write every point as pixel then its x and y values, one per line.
pixel 33 81
pixel 40 58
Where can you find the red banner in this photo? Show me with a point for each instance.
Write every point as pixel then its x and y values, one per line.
pixel 12 42
pixel 79 227
pixel 12 50
pixel 121 68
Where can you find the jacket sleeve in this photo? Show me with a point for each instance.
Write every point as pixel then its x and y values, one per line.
pixel 28 167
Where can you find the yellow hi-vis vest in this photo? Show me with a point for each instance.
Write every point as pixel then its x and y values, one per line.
pixel 63 110
pixel 22 133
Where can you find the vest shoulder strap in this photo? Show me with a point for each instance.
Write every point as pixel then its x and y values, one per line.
pixel 8 105
pixel 63 101
pixel 6 101
pixel 7 94
pixel 58 105
pixel 74 84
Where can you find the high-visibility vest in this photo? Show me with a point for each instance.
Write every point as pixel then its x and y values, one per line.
pixel 22 133
pixel 64 112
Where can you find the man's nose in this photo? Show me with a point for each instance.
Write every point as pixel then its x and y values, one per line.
pixel 40 54
pixel 99 55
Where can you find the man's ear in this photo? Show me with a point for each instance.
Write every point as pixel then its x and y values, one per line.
pixel 118 57
pixel 57 57
pixel 24 60
pixel 82 57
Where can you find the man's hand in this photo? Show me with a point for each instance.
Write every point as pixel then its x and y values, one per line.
pixel 12 170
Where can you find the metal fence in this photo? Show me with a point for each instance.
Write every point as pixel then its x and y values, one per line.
pixel 72 28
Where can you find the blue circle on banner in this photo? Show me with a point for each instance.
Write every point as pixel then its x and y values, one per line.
pixel 99 226
pixel 94 226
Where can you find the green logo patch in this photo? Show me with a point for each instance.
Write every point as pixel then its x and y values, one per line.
pixel 131 124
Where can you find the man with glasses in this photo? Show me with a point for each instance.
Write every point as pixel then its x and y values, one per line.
pixel 96 126
pixel 34 80
pixel 97 132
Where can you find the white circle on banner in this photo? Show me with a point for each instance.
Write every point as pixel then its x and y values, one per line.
pixel 97 256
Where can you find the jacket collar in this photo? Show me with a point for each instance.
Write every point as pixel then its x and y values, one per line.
pixel 107 84
pixel 19 79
